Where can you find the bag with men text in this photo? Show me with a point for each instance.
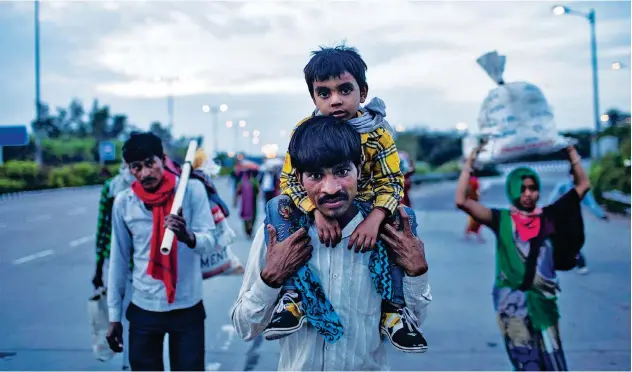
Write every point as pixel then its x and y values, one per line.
pixel 222 261
pixel 515 118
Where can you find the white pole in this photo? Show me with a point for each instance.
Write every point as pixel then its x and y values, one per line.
pixel 167 239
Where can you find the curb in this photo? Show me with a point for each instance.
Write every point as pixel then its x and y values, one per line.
pixel 23 194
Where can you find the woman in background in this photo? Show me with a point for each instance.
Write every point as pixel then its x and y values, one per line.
pixel 248 192
pixel 532 244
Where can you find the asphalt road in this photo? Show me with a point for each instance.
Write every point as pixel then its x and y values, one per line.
pixel 47 261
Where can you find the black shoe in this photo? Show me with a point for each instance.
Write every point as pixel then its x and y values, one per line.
pixel 400 327
pixel 288 317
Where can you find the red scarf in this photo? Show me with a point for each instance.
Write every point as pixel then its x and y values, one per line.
pixel 161 267
pixel 527 224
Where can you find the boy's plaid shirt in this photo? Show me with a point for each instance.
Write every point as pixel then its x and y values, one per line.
pixel 380 179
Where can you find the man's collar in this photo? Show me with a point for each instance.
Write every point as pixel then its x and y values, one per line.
pixel 351 226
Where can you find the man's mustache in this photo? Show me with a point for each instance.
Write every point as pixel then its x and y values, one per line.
pixel 148 180
pixel 333 198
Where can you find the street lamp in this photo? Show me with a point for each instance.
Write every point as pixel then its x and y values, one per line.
pixel 461 127
pixel 618 66
pixel 590 16
pixel 215 110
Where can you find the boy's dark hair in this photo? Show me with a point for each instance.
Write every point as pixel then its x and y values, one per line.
pixel 324 142
pixel 141 146
pixel 331 62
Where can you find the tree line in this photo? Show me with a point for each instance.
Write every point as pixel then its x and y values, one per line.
pixel 72 134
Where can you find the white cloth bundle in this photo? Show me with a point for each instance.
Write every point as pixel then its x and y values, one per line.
pixel 516 118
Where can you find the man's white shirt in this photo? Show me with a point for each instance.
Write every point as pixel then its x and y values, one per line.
pixel 346 280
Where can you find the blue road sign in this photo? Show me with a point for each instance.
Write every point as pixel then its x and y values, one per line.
pixel 13 135
pixel 107 151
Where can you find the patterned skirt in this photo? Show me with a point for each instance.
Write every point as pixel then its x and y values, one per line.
pixel 527 348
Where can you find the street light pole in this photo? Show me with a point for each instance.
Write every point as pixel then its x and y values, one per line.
pixel 215 123
pixel 242 124
pixel 215 110
pixel 236 138
pixel 590 16
pixel 38 146
pixel 170 100
pixel 170 109
pixel 595 81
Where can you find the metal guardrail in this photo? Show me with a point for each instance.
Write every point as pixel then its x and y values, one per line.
pixel 434 177
pixel 617 196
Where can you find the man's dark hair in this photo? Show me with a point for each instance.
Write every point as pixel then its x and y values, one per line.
pixel 324 142
pixel 331 62
pixel 141 146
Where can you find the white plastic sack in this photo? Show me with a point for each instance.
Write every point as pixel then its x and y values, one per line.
pixel 468 144
pixel 223 261
pixel 515 118
pixel 223 233
pixel 99 324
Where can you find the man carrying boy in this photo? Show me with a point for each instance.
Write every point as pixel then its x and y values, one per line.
pixel 336 80
pixel 329 171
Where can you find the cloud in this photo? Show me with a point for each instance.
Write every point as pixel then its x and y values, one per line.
pixel 261 47
pixel 421 55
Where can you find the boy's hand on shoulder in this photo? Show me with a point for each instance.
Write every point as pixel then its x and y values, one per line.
pixel 364 236
pixel 329 232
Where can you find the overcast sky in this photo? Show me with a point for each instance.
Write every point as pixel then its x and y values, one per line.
pixel 250 56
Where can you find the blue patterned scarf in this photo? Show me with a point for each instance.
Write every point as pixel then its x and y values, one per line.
pixel 287 219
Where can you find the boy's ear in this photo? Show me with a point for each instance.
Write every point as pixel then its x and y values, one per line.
pixel 299 176
pixel 364 92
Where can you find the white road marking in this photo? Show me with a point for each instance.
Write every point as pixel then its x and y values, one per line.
pixel 32 257
pixel 78 242
pixel 213 366
pixel 485 186
pixel 41 217
pixel 228 328
pixel 76 211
